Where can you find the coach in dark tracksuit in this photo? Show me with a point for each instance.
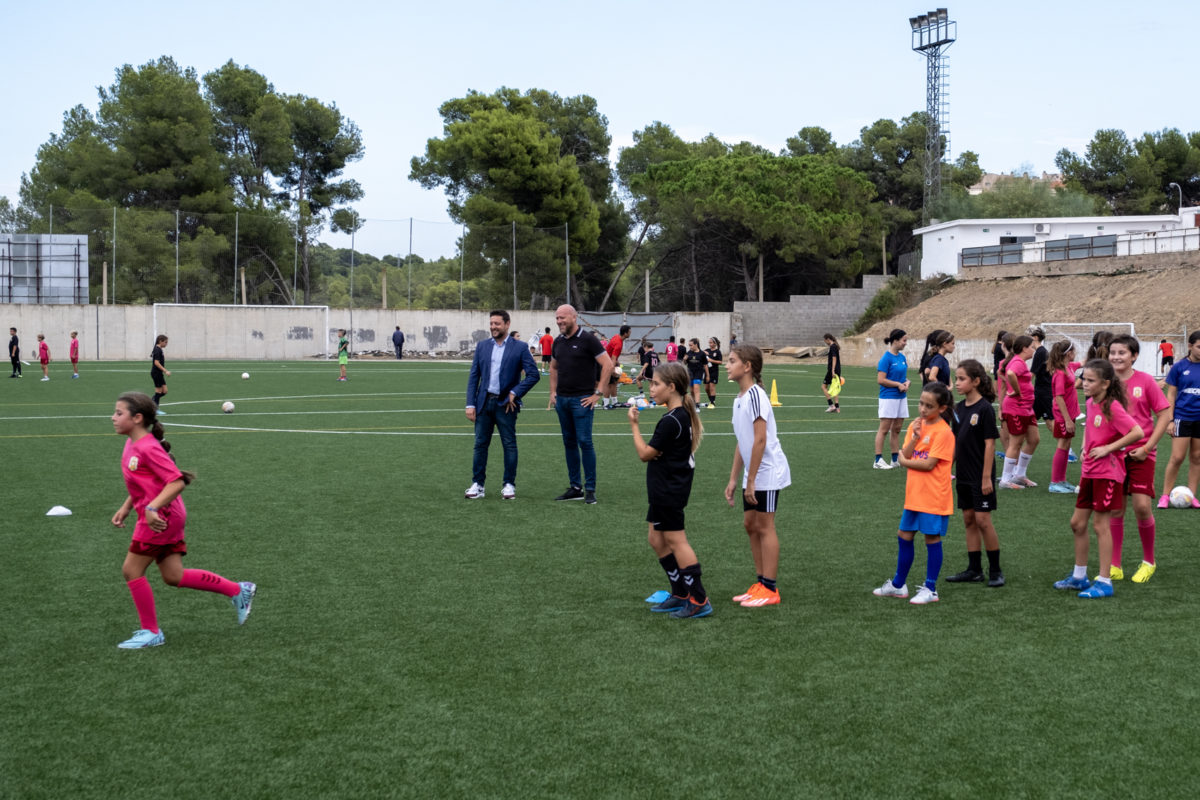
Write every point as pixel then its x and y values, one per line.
pixel 14 353
pixel 398 341
pixel 494 392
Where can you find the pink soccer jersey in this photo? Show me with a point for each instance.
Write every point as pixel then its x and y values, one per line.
pixel 1022 407
pixel 1101 431
pixel 44 352
pixel 74 350
pixel 1142 397
pixel 147 469
pixel 1063 385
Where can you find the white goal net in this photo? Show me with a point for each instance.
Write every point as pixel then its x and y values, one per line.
pixel 243 332
pixel 1081 333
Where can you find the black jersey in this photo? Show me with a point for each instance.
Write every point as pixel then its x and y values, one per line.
pixel 714 369
pixel 973 426
pixel 833 362
pixel 157 355
pixel 669 477
pixel 696 362
pixel 649 362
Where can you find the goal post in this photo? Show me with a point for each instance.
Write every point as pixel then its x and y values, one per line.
pixel 1081 333
pixel 218 331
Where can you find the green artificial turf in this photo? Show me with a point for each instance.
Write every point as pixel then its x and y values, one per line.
pixel 406 642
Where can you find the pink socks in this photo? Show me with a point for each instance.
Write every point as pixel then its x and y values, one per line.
pixel 1146 531
pixel 1116 526
pixel 143 601
pixel 1058 467
pixel 208 582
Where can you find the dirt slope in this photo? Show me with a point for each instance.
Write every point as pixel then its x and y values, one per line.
pixel 1158 302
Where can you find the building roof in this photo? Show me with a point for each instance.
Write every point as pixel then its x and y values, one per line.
pixel 1139 220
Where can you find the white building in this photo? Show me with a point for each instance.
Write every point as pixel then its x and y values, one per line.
pixel 1015 241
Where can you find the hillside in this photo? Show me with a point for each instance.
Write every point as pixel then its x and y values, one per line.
pixel 1156 302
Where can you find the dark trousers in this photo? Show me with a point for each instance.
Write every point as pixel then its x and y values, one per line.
pixel 494 416
pixel 399 351
pixel 16 362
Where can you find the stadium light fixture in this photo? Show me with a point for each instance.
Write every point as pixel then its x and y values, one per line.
pixel 1177 187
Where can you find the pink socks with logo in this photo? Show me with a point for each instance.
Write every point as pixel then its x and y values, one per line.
pixel 207 581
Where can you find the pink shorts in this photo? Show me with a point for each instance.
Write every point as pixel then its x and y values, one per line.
pixel 1100 494
pixel 1139 476
pixel 1018 424
pixel 157 551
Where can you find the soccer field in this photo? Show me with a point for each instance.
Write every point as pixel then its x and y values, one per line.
pixel 406 642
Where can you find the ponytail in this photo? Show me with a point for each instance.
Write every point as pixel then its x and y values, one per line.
pixel 975 371
pixel 139 403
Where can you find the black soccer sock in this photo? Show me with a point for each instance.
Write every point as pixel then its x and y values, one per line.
pixel 769 583
pixel 157 397
pixel 671 567
pixel 974 560
pixel 691 577
pixel 712 399
pixel 993 560
pixel 829 401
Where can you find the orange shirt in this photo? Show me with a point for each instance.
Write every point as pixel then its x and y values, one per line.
pixel 930 492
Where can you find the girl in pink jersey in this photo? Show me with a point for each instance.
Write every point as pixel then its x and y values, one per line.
pixel 154 484
pixel 44 356
pixel 1148 406
pixel 1065 405
pixel 1107 429
pixel 75 354
pixel 1017 411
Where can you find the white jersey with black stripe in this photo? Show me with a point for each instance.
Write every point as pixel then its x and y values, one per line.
pixel 773 471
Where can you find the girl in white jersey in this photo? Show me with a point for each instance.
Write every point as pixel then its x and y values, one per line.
pixel 760 461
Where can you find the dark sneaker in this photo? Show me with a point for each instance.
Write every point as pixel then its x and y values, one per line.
pixel 573 493
pixel 670 604
pixel 690 609
pixel 996 578
pixel 590 498
pixel 966 576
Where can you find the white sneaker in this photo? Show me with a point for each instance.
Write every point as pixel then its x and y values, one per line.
pixel 475 492
pixel 46 379
pixel 507 492
pixel 881 464
pixel 888 590
pixel 925 595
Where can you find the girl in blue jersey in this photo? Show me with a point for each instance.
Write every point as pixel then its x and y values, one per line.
pixel 1183 390
pixel 892 378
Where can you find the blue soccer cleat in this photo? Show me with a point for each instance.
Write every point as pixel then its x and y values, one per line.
pixel 690 609
pixel 672 604
pixel 243 600
pixel 143 638
pixel 1073 583
pixel 1097 589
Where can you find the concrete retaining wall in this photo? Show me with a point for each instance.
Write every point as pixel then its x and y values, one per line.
pixel 1081 266
pixel 804 319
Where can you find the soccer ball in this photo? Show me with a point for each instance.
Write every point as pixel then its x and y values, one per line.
pixel 618 371
pixel 245 376
pixel 1181 497
pixel 227 407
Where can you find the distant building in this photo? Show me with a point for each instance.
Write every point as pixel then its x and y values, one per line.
pixel 989 180
pixel 1016 241
pixel 44 268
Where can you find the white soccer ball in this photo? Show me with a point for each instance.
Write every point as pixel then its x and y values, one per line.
pixel 245 376
pixel 618 371
pixel 227 407
pixel 1181 497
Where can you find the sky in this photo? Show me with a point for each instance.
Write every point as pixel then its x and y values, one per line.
pixel 1026 79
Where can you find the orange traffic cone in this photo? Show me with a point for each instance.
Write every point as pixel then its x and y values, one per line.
pixel 775 396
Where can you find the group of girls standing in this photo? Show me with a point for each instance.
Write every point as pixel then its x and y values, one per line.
pixel 704 369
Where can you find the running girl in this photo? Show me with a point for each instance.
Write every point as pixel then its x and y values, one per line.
pixel 928 499
pixel 975 437
pixel 154 484
pixel 1065 408
pixel 712 370
pixel 1183 391
pixel 1017 411
pixel 833 372
pixel 1148 406
pixel 892 377
pixel 763 468
pixel 696 363
pixel 669 469
pixel 1107 428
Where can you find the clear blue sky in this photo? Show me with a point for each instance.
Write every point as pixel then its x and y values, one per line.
pixel 1026 78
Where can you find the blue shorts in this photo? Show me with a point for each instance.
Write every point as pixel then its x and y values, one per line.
pixel 928 524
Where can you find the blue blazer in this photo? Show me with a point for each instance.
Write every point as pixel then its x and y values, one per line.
pixel 515 360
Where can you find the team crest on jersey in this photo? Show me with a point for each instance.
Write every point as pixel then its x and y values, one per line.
pixel 1137 391
pixel 974 419
pixel 1098 420
pixel 133 463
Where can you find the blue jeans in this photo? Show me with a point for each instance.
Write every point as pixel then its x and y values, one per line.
pixel 494 415
pixel 576 424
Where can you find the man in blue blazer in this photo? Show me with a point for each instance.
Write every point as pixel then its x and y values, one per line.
pixel 494 391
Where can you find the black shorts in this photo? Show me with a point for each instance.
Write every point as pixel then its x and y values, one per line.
pixel 972 498
pixel 1185 429
pixel 1168 361
pixel 828 379
pixel 160 380
pixel 665 518
pixel 545 359
pixel 768 501
pixel 1043 407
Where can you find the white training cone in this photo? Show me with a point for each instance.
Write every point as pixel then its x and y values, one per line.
pixel 59 511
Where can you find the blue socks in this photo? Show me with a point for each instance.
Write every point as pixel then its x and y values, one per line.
pixel 933 564
pixel 904 561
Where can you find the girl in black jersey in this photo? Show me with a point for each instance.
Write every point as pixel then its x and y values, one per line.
pixel 697 365
pixel 713 369
pixel 833 372
pixel 669 470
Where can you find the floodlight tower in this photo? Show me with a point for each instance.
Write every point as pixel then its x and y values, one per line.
pixel 932 34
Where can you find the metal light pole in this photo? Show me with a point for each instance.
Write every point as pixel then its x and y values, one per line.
pixel 932 34
pixel 1173 185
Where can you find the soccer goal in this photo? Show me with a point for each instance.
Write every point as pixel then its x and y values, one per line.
pixel 199 331
pixel 1081 333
